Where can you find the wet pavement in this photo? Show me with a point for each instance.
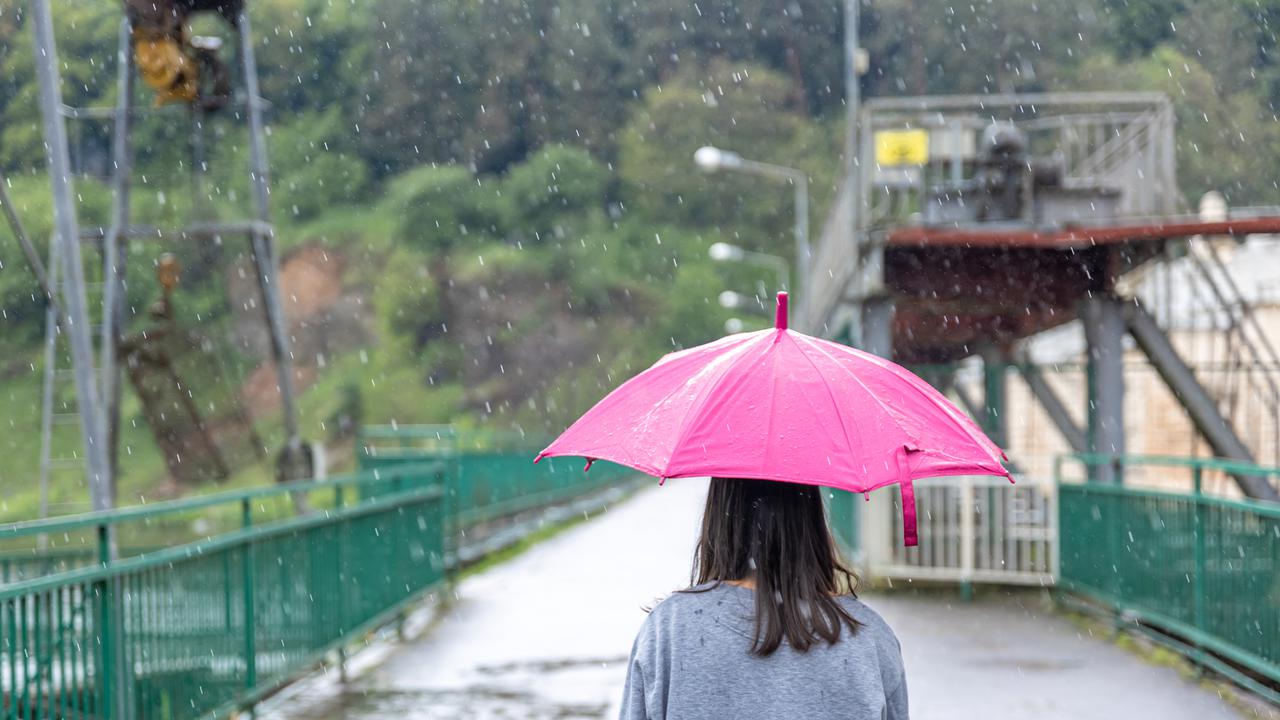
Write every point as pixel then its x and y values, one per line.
pixel 546 636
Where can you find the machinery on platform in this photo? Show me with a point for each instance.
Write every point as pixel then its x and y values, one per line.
pixel 179 66
pixel 1010 186
pixel 974 223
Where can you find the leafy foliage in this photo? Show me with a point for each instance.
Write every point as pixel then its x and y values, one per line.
pixel 510 181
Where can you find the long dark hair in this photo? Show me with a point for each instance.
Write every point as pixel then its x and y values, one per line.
pixel 775 535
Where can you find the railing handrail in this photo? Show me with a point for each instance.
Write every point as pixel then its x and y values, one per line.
pixel 1101 160
pixel 1213 463
pixel 457 437
pixel 221 541
pixel 1258 507
pixel 396 432
pixel 948 102
pixel 132 513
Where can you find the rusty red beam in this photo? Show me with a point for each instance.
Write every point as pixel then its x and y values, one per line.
pixel 1077 237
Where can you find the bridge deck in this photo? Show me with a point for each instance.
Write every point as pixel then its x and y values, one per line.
pixel 547 636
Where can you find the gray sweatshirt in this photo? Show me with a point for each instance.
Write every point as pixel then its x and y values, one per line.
pixel 692 661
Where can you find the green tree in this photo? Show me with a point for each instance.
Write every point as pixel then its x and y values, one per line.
pixel 557 183
pixel 440 209
pixel 315 166
pixel 742 108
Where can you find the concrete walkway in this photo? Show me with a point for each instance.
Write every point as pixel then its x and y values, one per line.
pixel 547 636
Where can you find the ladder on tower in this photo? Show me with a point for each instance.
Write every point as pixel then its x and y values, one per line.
pixel 59 411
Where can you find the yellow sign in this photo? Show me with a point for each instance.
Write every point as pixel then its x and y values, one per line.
pixel 902 147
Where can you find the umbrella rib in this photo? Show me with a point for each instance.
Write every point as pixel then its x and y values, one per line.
pixel 958 423
pixel 958 420
pixel 844 430
pixel 887 410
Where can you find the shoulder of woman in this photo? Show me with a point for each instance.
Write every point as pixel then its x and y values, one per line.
pixel 682 603
pixel 872 621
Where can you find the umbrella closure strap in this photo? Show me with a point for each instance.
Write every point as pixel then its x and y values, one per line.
pixel 910 537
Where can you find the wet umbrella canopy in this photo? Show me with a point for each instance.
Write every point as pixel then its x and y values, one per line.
pixel 777 404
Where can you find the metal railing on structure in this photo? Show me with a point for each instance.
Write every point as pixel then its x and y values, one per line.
pixel 972 529
pixel 491 472
pixel 1198 572
pixel 202 628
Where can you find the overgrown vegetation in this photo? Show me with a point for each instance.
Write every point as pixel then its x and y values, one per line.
pixel 508 186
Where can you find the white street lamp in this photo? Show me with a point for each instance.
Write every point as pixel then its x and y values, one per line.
pixel 731 300
pixel 711 159
pixel 724 252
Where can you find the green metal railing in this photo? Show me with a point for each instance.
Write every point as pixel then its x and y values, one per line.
pixel 1202 569
pixel 204 628
pixel 487 480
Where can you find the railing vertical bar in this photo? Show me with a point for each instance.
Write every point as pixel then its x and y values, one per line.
pixel 131 628
pixel 937 521
pixel 1010 539
pixel 70 668
pixel 6 648
pixel 106 666
pixel 40 649
pixel 250 632
pixel 950 499
pixel 84 648
pixel 51 653
pixel 25 643
pixel 56 671
pixel 967 539
pixel 1199 599
pixel 164 628
pixel 37 653
pixel 157 622
pixel 983 509
pixel 340 580
pixel 33 654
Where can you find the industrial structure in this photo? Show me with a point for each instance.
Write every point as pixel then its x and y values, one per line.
pixel 975 224
pixel 156 44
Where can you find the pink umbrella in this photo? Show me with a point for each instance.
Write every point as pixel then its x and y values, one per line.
pixel 780 405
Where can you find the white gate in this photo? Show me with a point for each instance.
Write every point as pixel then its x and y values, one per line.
pixel 972 529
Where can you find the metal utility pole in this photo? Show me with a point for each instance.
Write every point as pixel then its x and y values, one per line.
pixel 853 102
pixel 67 235
pixel 264 254
pixel 874 318
pixel 113 268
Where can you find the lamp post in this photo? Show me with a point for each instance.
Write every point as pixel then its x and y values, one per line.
pixel 724 252
pixel 713 159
